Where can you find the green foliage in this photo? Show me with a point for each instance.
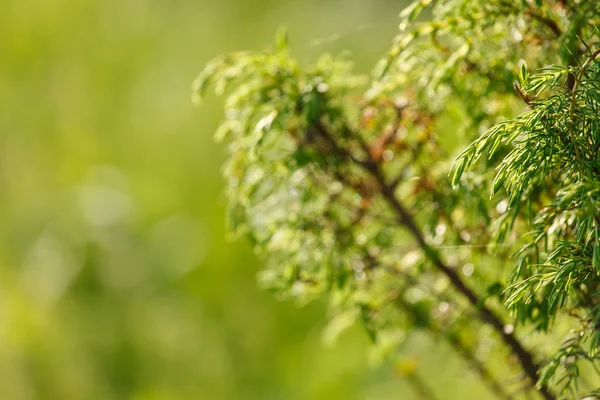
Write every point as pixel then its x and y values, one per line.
pixel 341 181
pixel 116 279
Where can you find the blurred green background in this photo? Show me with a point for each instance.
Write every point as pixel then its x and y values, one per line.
pixel 116 277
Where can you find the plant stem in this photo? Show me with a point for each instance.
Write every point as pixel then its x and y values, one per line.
pixel 406 219
pixel 460 348
pixel 576 84
pixel 420 387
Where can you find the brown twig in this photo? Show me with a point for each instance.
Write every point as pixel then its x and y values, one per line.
pixel 406 219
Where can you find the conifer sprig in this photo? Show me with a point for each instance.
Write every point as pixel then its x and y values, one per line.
pixel 340 181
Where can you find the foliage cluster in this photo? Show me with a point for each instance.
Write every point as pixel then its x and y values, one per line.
pixel 375 189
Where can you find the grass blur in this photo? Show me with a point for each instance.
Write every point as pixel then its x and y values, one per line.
pixel 116 278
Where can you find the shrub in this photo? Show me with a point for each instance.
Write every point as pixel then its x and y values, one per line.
pixel 374 190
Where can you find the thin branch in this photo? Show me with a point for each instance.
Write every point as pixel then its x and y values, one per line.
pixel 420 387
pixel 576 84
pixel 547 22
pixel 461 349
pixel 522 95
pixel 406 219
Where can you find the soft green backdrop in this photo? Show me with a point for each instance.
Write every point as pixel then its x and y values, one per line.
pixel 116 278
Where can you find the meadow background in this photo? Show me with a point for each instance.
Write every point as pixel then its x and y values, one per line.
pixel 117 280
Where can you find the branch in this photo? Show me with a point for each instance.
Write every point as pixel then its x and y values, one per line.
pixel 406 219
pixel 576 84
pixel 420 387
pixel 546 21
pixel 461 349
